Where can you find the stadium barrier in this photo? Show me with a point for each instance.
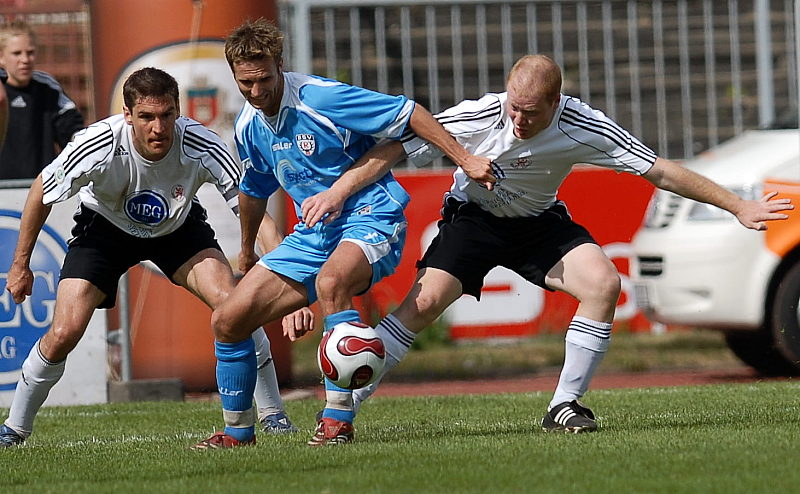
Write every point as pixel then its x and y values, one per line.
pixel 21 326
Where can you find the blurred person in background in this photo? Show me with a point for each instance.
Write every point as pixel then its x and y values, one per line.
pixel 3 115
pixel 40 114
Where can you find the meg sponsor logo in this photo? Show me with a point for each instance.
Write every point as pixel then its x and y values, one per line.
pixel 22 325
pixel 147 207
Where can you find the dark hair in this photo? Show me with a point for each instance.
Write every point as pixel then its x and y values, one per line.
pixel 149 82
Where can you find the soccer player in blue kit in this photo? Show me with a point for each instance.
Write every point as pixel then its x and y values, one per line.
pixel 301 133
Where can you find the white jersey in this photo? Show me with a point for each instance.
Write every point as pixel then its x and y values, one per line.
pixel 143 198
pixel 530 171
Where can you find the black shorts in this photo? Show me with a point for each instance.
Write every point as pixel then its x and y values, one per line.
pixel 100 252
pixel 472 241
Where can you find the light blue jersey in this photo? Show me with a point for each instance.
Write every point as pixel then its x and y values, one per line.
pixel 321 129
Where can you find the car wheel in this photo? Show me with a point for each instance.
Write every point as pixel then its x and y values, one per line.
pixel 786 317
pixel 757 349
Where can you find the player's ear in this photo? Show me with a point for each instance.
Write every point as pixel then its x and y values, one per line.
pixel 126 112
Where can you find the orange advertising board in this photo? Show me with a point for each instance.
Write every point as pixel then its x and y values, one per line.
pixel 609 204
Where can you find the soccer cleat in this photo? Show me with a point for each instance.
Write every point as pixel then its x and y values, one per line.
pixel 278 423
pixel 331 432
pixel 570 416
pixel 220 440
pixel 9 437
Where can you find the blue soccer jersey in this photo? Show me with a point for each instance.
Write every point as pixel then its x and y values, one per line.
pixel 321 129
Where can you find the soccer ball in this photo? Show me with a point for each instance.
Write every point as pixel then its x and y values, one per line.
pixel 351 355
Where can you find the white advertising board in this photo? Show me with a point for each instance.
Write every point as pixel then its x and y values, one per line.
pixel 21 326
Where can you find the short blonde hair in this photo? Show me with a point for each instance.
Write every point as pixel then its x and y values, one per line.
pixel 15 28
pixel 254 40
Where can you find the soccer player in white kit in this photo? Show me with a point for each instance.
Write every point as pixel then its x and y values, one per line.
pixel 137 174
pixel 534 135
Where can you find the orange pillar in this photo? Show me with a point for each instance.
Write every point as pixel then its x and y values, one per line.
pixel 124 31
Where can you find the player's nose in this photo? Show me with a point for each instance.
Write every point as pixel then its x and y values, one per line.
pixel 257 89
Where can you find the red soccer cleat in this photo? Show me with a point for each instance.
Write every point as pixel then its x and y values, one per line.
pixel 220 440
pixel 331 432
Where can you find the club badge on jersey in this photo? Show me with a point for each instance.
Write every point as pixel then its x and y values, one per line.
pixel 306 143
pixel 179 193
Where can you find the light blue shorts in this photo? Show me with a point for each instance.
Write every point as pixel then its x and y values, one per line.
pixel 302 253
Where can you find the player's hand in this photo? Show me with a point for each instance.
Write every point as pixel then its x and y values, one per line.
pixel 247 259
pixel 325 206
pixel 755 214
pixel 19 282
pixel 481 170
pixel 298 323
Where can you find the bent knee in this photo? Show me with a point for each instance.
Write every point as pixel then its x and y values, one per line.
pixel 421 311
pixel 606 286
pixel 59 342
pixel 330 284
pixel 326 285
pixel 224 326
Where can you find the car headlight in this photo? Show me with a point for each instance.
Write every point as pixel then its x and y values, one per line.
pixel 706 212
pixel 661 209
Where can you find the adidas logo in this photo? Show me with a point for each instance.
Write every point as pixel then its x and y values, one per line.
pixel 18 102
pixel 499 125
pixel 121 151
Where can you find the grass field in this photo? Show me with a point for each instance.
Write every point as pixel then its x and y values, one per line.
pixel 710 439
pixel 630 352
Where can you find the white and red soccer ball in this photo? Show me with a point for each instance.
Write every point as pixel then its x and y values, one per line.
pixel 351 355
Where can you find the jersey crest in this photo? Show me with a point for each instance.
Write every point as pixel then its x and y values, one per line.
pixel 179 192
pixel 147 207
pixel 520 163
pixel 306 143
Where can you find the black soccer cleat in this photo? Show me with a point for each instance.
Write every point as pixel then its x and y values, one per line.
pixel 571 417
pixel 278 423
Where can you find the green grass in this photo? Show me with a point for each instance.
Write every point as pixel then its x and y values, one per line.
pixel 717 439
pixel 630 352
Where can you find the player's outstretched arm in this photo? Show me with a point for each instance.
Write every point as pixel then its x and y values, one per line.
pixel 374 164
pixel 252 212
pixel 20 278
pixel 269 235
pixel 298 323
pixel 673 177
pixel 477 168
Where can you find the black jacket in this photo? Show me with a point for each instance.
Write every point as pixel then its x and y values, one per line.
pixel 41 116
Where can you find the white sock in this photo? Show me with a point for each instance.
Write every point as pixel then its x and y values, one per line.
pixel 39 375
pixel 267 394
pixel 586 344
pixel 397 339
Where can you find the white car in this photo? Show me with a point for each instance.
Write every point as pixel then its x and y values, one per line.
pixel 695 265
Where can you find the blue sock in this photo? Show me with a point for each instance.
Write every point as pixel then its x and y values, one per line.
pixel 344 402
pixel 339 317
pixel 236 381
